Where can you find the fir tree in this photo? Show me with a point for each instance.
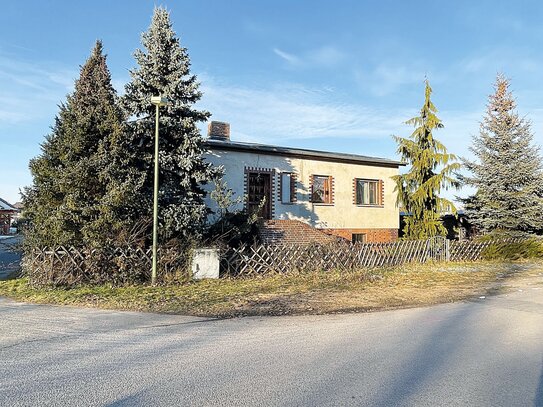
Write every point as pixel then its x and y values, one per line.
pixel 164 69
pixel 431 170
pixel 507 171
pixel 67 203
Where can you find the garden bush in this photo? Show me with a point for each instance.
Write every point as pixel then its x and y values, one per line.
pixel 506 250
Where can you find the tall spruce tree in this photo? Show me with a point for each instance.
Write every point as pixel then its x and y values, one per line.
pixel 507 171
pixel 164 69
pixel 67 203
pixel 431 169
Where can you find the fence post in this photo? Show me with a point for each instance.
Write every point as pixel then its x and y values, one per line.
pixel 447 250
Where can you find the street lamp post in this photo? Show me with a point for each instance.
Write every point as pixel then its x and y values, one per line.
pixel 158 101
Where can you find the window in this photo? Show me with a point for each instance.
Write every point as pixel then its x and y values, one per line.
pixel 288 187
pixel 358 238
pixel 368 192
pixel 321 189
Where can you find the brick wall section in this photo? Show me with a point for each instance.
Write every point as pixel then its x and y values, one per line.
pixel 296 232
pixel 372 235
pixel 292 232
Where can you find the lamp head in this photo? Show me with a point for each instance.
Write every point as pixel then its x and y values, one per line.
pixel 159 101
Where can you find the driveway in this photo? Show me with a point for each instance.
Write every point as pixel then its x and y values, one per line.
pixel 487 352
pixel 9 256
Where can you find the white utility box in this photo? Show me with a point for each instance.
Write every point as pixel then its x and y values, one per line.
pixel 205 263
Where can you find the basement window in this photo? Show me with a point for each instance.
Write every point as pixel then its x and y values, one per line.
pixel 358 238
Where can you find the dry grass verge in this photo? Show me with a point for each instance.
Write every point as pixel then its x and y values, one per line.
pixel 311 293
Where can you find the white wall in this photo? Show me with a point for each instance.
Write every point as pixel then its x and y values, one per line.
pixel 342 214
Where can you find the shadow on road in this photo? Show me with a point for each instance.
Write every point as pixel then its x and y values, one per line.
pixel 418 365
pixel 538 401
pixel 135 399
pixel 433 353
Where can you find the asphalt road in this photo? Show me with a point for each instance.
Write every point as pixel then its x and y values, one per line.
pixel 488 352
pixel 9 259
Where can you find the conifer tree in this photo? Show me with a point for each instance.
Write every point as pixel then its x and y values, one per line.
pixel 507 170
pixel 164 69
pixel 431 169
pixel 67 203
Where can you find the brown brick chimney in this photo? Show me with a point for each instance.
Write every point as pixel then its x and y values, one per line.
pixel 218 131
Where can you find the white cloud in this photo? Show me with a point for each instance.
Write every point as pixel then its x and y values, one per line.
pixel 290 58
pixel 31 91
pixel 326 56
pixel 497 60
pixel 388 77
pixel 285 111
pixel 391 77
pixel 291 111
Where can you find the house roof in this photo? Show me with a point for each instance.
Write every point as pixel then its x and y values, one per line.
pixel 5 206
pixel 300 153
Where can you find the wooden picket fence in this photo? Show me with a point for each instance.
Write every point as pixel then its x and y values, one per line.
pixel 468 250
pixel 262 259
pixel 70 265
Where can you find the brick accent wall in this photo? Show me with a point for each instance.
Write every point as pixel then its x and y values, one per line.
pixel 372 235
pixel 297 232
pixel 292 232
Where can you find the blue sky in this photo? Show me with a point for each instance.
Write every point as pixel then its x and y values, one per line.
pixel 340 76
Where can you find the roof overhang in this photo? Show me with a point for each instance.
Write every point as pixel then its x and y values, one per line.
pixel 7 207
pixel 301 153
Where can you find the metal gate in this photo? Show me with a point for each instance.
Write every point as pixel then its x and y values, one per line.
pixel 438 248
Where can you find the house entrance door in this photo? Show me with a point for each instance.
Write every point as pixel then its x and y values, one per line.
pixel 259 190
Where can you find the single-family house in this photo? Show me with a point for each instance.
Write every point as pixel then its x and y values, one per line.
pixel 7 214
pixel 308 195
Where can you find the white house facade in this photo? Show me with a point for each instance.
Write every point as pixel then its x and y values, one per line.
pixel 344 195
